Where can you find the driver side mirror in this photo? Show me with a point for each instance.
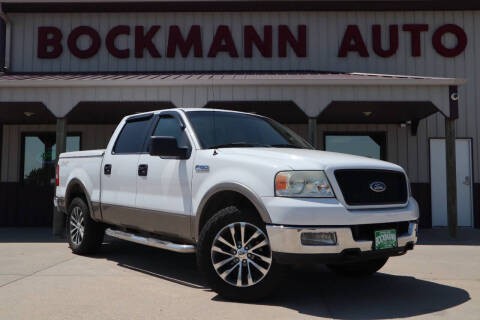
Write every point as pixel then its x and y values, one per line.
pixel 167 147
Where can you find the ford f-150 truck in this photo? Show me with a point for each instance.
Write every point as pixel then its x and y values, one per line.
pixel 243 192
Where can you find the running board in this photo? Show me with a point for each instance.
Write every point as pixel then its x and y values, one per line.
pixel 162 244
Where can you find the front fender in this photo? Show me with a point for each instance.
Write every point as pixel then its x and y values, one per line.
pixel 236 187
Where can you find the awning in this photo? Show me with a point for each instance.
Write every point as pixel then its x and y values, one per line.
pixel 330 97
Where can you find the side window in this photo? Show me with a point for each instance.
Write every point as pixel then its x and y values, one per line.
pixel 132 137
pixel 169 126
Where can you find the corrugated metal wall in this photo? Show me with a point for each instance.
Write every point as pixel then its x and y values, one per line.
pixel 325 33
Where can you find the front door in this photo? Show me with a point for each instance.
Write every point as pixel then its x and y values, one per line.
pixel 439 182
pixel 119 173
pixel 164 186
pixel 38 177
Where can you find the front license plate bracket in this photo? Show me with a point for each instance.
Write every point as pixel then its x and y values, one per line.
pixel 385 239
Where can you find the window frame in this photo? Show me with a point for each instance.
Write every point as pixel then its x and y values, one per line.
pixel 264 118
pixel 381 136
pixel 135 118
pixel 24 134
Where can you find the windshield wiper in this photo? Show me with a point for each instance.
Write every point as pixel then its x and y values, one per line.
pixel 286 145
pixel 239 145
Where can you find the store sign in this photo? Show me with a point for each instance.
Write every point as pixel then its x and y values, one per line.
pixel 353 40
pixel 52 41
pixel 51 45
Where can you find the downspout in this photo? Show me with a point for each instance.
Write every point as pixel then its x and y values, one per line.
pixel 8 38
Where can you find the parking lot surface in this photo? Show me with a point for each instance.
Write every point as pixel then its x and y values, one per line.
pixel 41 279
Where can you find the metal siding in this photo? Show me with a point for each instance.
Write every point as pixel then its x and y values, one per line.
pixel 325 32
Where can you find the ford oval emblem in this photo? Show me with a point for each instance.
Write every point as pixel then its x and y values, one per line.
pixel 378 186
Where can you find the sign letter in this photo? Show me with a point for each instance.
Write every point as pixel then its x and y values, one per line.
pixel 298 45
pixel 352 41
pixel 250 37
pixel 144 41
pixel 73 45
pixel 194 39
pixel 455 30
pixel 415 30
pixel 223 41
pixel 49 37
pixel 377 41
pixel 110 42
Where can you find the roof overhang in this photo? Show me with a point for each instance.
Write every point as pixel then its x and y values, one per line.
pixel 155 80
pixel 330 97
pixel 232 5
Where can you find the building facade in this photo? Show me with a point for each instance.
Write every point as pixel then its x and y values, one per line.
pixel 327 66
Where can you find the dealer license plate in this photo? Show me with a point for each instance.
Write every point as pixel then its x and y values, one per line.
pixel 385 239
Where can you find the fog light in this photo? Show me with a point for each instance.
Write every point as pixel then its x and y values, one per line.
pixel 319 238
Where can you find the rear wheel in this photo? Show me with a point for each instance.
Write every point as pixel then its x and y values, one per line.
pixel 83 234
pixel 235 256
pixel 360 268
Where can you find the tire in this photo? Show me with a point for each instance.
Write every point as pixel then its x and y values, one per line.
pixel 263 271
pixel 79 219
pixel 360 268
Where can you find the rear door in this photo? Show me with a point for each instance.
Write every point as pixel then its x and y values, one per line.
pixel 164 196
pixel 119 172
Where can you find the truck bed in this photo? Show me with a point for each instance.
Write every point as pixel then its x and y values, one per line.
pixel 84 166
pixel 82 154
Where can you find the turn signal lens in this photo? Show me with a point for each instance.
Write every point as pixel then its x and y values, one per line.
pixel 280 182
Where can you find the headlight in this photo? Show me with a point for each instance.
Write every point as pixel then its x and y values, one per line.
pixel 303 184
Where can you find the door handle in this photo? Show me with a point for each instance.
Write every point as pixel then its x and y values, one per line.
pixel 143 170
pixel 107 169
pixel 466 181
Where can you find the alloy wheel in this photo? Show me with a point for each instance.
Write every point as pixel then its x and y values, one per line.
pixel 241 254
pixel 77 226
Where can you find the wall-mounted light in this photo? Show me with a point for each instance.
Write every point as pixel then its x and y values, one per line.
pixel 29 113
pixel 367 113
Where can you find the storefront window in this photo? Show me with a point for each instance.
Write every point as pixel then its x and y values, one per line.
pixel 39 156
pixel 372 145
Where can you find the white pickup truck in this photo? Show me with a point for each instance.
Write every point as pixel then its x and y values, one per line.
pixel 243 192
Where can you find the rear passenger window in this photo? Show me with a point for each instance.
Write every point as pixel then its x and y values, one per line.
pixel 132 137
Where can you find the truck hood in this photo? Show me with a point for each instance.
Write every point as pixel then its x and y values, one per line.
pixel 306 159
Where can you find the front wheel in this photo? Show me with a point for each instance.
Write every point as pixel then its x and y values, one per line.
pixel 360 268
pixel 84 235
pixel 235 256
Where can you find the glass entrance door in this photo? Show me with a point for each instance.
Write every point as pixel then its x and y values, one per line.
pixel 39 156
pixel 37 178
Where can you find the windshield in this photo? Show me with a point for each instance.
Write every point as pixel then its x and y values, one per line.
pixel 220 129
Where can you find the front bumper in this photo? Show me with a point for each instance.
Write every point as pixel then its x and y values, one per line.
pixel 286 244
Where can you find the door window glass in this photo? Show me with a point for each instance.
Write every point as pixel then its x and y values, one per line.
pixel 168 126
pixel 39 157
pixel 132 137
pixel 367 145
